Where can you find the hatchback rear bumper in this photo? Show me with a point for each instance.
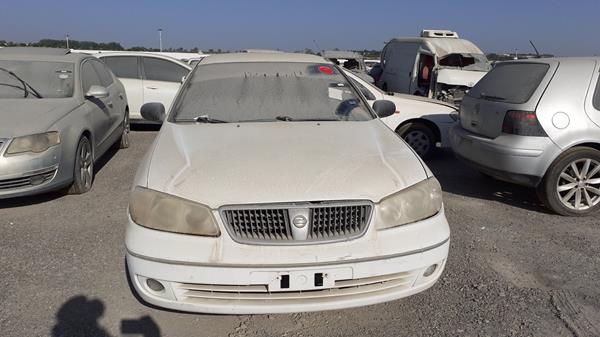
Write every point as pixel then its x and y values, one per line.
pixel 516 159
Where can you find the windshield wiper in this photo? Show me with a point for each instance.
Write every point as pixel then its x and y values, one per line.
pixel 491 97
pixel 27 88
pixel 206 119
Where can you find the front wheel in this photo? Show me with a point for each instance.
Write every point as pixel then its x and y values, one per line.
pixel 83 173
pixel 571 187
pixel 420 137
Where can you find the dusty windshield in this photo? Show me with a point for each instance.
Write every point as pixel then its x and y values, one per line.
pixel 476 62
pixel 35 79
pixel 265 91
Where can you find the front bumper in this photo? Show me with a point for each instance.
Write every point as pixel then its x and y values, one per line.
pixel 257 290
pixel 219 275
pixel 31 173
pixel 516 159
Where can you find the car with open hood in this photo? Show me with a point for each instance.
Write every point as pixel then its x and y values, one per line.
pixel 438 64
pixel 273 187
pixel 60 112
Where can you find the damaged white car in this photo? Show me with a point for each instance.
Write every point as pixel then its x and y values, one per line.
pixel 273 187
pixel 438 64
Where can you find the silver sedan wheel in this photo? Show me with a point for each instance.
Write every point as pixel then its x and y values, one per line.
pixel 578 185
pixel 419 141
pixel 86 166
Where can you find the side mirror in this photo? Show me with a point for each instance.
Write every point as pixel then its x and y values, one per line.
pixel 384 108
pixel 154 112
pixel 97 91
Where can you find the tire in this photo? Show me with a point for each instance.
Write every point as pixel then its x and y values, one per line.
pixel 124 140
pixel 83 172
pixel 571 186
pixel 420 137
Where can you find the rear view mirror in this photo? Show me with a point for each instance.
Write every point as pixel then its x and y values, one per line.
pixel 154 112
pixel 97 91
pixel 384 108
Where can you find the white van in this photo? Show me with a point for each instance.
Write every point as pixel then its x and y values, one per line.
pixel 438 65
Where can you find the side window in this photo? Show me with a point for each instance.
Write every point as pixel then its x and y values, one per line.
pixel 596 99
pixel 163 70
pixel 89 76
pixel 123 66
pixel 366 92
pixel 105 77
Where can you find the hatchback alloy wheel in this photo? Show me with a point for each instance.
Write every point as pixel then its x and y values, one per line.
pixel 578 186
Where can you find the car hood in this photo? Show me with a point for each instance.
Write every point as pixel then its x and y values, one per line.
pixel 452 76
pixel 22 117
pixel 252 163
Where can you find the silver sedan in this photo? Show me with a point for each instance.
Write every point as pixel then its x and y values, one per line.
pixel 60 112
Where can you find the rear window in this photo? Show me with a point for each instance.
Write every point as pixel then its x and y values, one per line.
pixel 510 82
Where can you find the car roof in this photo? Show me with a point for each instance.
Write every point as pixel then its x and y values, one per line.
pixel 262 57
pixel 341 54
pixel 138 53
pixel 550 60
pixel 442 46
pixel 40 54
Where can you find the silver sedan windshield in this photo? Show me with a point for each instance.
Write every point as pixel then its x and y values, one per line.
pixel 30 79
pixel 264 91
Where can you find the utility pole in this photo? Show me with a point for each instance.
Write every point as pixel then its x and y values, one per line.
pixel 160 39
pixel 67 37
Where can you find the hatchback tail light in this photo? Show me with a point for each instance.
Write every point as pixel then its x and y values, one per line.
pixel 522 123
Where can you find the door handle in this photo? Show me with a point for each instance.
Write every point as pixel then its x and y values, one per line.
pixel 120 95
pixel 152 88
pixel 110 104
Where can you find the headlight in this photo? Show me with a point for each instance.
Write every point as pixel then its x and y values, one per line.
pixel 169 213
pixel 418 202
pixel 35 143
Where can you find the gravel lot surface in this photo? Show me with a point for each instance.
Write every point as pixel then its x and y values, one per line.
pixel 514 269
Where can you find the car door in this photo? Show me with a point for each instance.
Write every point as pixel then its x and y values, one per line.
pixel 162 79
pixel 99 112
pixel 127 69
pixel 116 99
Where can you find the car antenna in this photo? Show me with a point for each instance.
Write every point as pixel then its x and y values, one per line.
pixel 534 48
pixel 317 45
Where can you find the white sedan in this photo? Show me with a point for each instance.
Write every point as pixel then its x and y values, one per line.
pixel 422 122
pixel 147 77
pixel 274 187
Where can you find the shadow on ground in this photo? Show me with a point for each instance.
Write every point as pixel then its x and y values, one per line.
pixel 458 178
pixel 79 316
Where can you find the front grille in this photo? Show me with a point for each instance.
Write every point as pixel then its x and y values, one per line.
pixel 273 224
pixel 27 181
pixel 259 224
pixel 327 222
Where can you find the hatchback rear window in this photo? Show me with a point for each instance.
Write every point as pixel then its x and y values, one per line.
pixel 510 82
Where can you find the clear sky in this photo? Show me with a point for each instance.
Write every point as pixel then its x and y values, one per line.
pixel 567 28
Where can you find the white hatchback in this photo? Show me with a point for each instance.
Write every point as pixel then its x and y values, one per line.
pixel 274 187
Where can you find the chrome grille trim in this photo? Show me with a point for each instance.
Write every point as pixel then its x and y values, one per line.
pixel 270 224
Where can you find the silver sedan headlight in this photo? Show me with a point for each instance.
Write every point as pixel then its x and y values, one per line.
pixel 165 212
pixel 34 143
pixel 418 202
